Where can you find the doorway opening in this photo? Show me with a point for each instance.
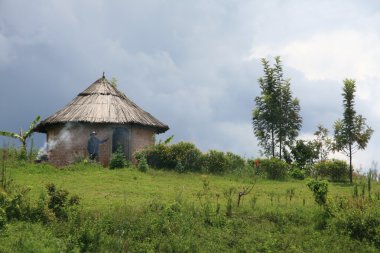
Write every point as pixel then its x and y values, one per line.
pixel 120 139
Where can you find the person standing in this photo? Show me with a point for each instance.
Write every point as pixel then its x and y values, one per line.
pixel 93 146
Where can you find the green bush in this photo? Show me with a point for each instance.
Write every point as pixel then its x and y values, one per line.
pixel 296 173
pixel 359 218
pixel 59 202
pixel 215 162
pixel 3 218
pixel 187 154
pixel 319 189
pixel 335 170
pixel 158 156
pixel 255 166
pixel 274 168
pixel 118 159
pixel 235 162
pixel 143 165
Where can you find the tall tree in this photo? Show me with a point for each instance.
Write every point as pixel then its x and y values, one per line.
pixel 276 120
pixel 323 142
pixel 350 133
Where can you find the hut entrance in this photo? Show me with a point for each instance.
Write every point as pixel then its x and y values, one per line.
pixel 120 140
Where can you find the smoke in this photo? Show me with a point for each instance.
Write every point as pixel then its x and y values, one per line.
pixel 63 138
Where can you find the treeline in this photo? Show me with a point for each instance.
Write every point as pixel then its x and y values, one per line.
pixel 186 157
pixel 276 121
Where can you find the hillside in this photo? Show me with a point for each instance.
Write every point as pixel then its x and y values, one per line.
pixel 159 211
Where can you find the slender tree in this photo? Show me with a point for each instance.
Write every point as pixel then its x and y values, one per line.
pixel 22 136
pixel 290 121
pixel 276 120
pixel 323 142
pixel 265 114
pixel 350 133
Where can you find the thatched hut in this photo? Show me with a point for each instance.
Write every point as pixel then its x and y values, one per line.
pixel 103 109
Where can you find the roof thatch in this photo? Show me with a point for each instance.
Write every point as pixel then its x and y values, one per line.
pixel 101 102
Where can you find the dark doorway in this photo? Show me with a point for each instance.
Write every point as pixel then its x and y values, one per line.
pixel 120 139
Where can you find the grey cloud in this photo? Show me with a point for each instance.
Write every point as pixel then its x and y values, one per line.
pixel 184 62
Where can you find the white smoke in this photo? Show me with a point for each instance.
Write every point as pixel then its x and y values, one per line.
pixel 63 138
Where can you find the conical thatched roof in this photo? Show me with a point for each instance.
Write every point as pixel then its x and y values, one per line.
pixel 101 102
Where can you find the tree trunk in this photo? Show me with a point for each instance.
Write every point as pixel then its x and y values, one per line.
pixel 272 142
pixel 351 170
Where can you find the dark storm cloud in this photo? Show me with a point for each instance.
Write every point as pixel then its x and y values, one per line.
pixel 187 63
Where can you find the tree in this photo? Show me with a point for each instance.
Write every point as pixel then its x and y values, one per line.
pixel 276 120
pixel 350 133
pixel 323 142
pixel 304 152
pixel 22 136
pixel 290 121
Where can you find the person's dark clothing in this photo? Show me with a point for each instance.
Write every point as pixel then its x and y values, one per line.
pixel 93 146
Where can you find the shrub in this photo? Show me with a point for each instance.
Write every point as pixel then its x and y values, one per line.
pixel 158 156
pixel 255 165
pixel 187 154
pixel 235 162
pixel 215 162
pixel 319 189
pixel 179 167
pixel 335 170
pixel 274 168
pixel 118 159
pixel 143 165
pixel 59 202
pixel 3 218
pixel 296 173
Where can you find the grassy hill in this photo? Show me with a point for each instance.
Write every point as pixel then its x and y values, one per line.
pixel 126 210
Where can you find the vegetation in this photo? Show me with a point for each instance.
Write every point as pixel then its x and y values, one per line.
pixel 22 136
pixel 118 159
pixel 351 132
pixel 85 208
pixel 186 157
pixel 276 119
pixel 179 199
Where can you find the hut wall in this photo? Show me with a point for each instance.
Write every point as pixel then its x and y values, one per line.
pixel 68 144
pixel 141 137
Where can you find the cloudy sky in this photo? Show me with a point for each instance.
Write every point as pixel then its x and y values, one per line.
pixel 192 64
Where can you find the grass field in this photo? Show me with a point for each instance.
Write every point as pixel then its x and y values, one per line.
pixel 101 188
pixel 126 210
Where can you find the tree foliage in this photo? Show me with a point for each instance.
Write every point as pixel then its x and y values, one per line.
pixel 350 133
pixel 22 136
pixel 276 119
pixel 304 152
pixel 323 142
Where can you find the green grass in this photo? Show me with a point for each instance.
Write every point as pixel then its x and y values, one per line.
pixel 163 211
pixel 101 188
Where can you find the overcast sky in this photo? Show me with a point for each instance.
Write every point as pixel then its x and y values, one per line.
pixel 192 64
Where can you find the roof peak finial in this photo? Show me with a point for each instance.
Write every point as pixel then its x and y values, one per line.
pixel 103 75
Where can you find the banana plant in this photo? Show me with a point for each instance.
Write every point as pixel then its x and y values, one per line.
pixel 22 136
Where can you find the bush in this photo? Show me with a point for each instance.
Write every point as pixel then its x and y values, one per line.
pixel 296 173
pixel 143 165
pixel 255 165
pixel 335 170
pixel 235 162
pixel 215 162
pixel 158 156
pixel 59 201
pixel 118 159
pixel 3 218
pixel 187 154
pixel 360 219
pixel 274 168
pixel 319 189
